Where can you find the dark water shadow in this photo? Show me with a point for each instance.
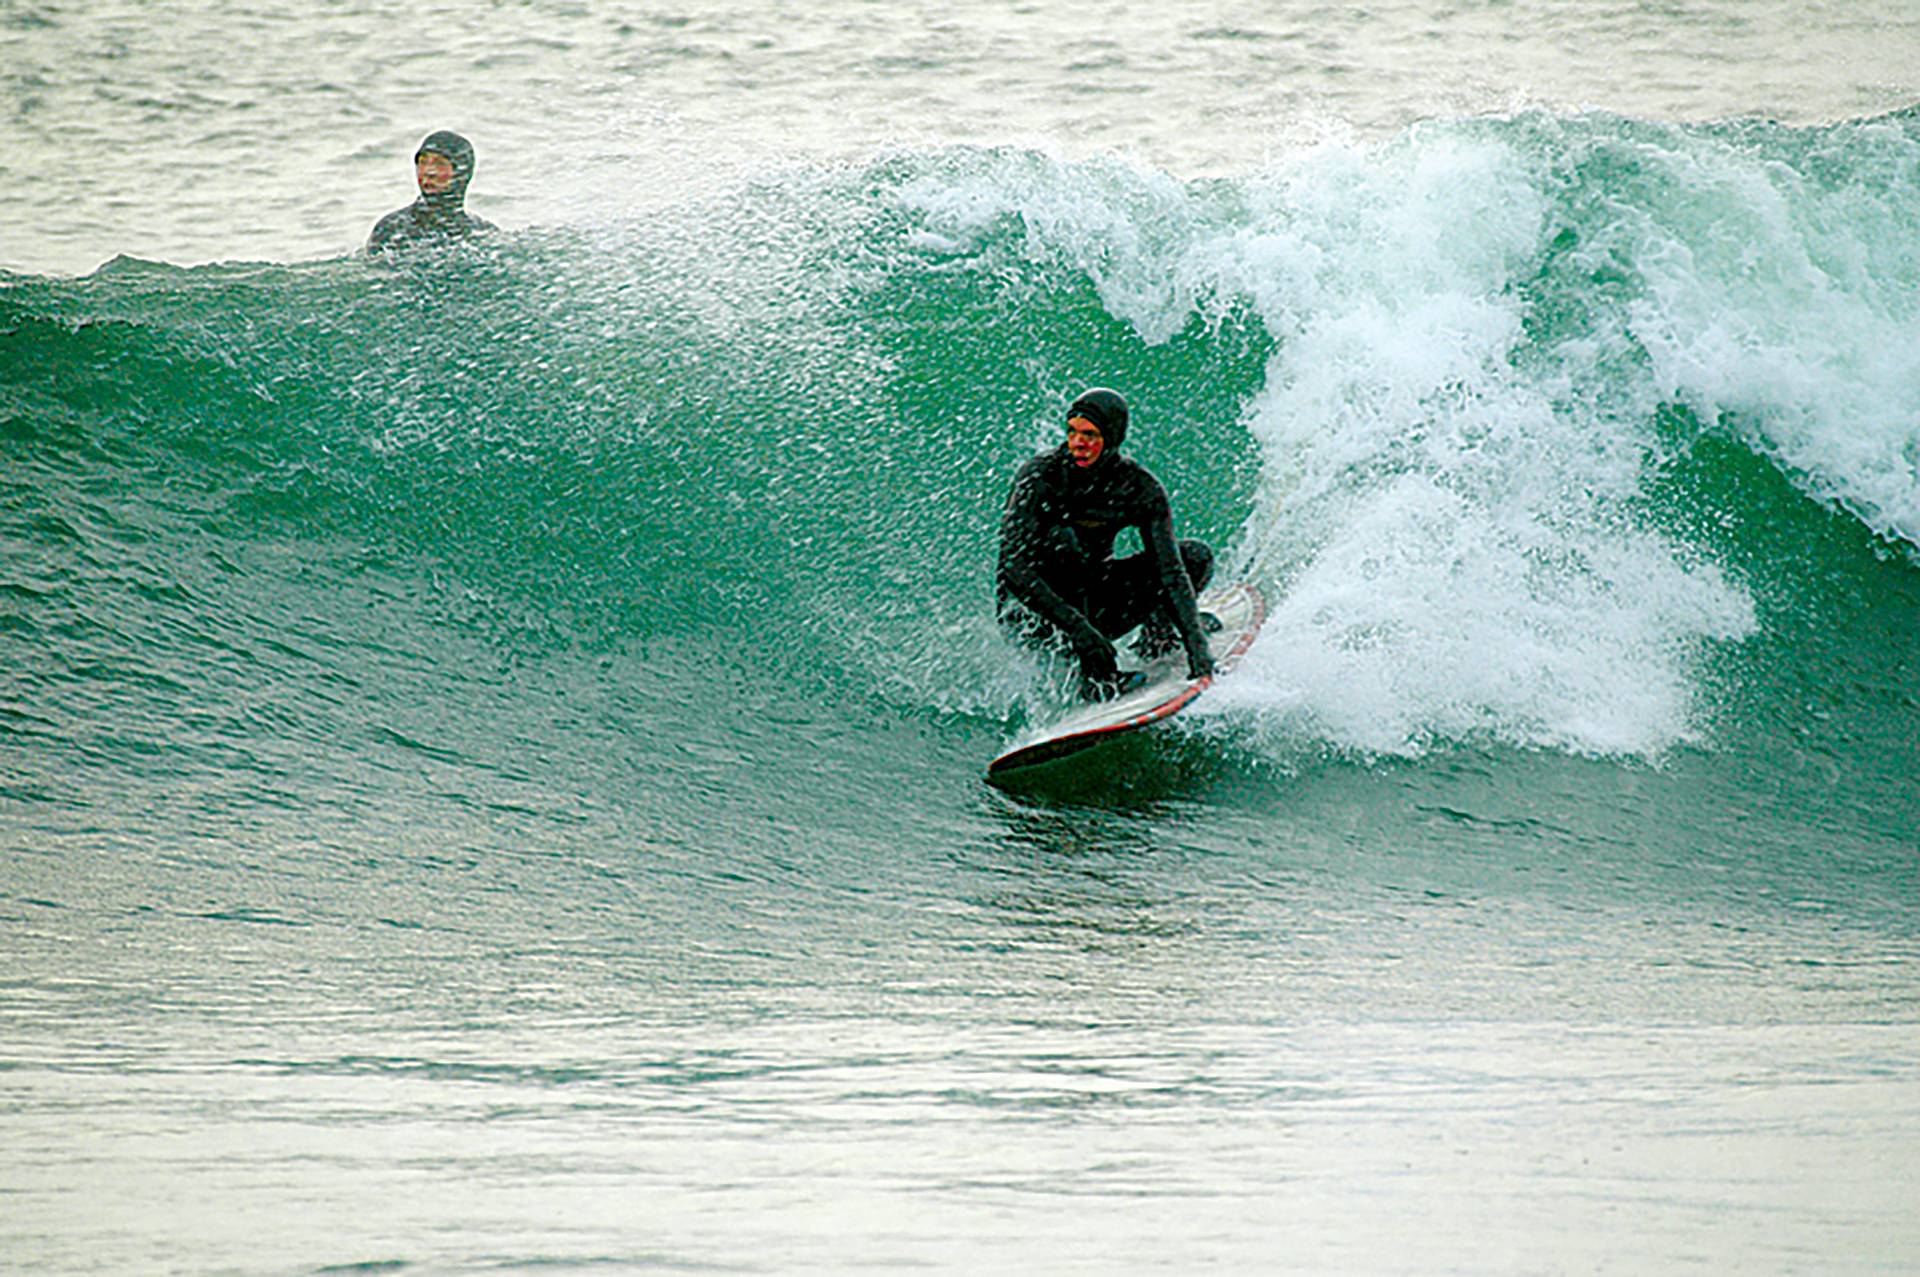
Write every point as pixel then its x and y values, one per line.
pixel 1137 774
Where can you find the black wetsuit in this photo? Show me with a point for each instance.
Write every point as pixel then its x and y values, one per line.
pixel 1058 582
pixel 433 218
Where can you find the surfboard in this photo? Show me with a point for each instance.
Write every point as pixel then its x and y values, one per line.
pixel 1166 692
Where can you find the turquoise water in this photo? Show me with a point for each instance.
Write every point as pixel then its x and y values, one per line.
pixel 493 747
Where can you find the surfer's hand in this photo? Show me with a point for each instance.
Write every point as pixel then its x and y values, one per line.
pixel 1096 656
pixel 1106 689
pixel 1200 665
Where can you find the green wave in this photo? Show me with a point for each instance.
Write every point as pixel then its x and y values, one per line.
pixel 1512 377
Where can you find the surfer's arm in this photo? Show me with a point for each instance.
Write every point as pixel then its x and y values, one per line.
pixel 1022 539
pixel 1158 533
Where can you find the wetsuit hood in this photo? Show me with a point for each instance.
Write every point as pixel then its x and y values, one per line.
pixel 1107 411
pixel 459 153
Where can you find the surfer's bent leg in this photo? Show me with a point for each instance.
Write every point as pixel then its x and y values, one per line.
pixel 1128 593
pixel 1033 632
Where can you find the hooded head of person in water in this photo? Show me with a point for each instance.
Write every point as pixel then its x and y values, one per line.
pixel 443 165
pixel 1096 426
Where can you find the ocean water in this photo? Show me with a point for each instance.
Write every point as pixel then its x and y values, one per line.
pixel 492 746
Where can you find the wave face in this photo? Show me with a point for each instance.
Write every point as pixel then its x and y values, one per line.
pixel 1576 434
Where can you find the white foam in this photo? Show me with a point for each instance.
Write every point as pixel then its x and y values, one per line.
pixel 1790 309
pixel 1446 521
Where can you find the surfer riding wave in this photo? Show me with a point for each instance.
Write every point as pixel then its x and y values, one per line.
pixel 1059 586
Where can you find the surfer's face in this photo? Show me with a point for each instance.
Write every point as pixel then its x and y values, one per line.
pixel 434 173
pixel 1085 443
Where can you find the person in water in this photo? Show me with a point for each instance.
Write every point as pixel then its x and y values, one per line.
pixel 443 166
pixel 1058 585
